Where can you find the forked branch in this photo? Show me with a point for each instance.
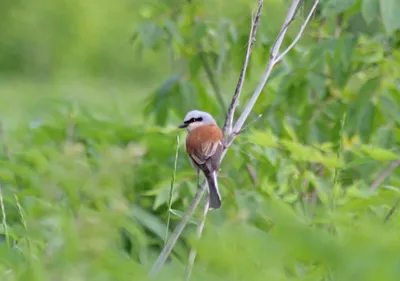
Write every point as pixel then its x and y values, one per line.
pixel 274 59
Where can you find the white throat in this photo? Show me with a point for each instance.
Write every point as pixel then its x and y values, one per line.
pixel 194 125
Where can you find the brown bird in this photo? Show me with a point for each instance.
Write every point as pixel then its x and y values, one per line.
pixel 204 147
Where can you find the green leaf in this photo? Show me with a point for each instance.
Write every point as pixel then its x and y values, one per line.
pixel 383 137
pixel 346 48
pixel 198 32
pixel 321 185
pixel 150 34
pixel 369 88
pixel 150 221
pixel 289 130
pixel 158 102
pixel 180 214
pixel 317 83
pixel 389 107
pixel 233 33
pixel 390 11
pixel 365 121
pixel 359 162
pixel 336 6
pixel 272 155
pixel 362 111
pixel 369 10
pixel 379 154
pixel 163 194
pixel 304 153
pixel 290 198
pixel 203 99
pixel 263 138
pixel 6 175
pixel 188 96
pixel 195 65
pixel 173 31
pixel 390 187
pixel 339 73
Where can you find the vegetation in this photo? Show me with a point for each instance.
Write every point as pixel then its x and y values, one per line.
pixel 92 92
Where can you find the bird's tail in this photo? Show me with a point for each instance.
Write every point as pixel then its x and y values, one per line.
pixel 214 197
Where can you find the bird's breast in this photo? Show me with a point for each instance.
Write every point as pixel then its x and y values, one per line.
pixel 198 138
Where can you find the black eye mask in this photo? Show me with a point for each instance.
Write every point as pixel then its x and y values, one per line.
pixel 192 120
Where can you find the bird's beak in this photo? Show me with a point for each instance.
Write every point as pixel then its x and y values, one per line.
pixel 183 125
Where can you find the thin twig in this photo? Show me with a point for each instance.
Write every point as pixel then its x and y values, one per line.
pixel 4 218
pixel 252 173
pixel 177 232
pixel 392 210
pixel 172 189
pixel 380 179
pixel 385 174
pixel 23 220
pixel 271 63
pixel 8 154
pixel 211 77
pixel 235 99
pixel 302 28
pixel 247 126
pixel 199 231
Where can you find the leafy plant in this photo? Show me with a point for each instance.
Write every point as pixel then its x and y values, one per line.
pixel 85 188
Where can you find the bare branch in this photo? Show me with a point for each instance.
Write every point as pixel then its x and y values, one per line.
pixel 380 179
pixel 252 173
pixel 271 63
pixel 235 99
pixel 199 231
pixel 302 28
pixel 4 218
pixel 178 231
pixel 385 174
pixel 171 189
pixel 247 126
pixel 392 210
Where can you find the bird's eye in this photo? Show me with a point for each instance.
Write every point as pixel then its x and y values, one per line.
pixel 189 121
pixel 192 120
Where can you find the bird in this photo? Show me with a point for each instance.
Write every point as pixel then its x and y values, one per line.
pixel 204 145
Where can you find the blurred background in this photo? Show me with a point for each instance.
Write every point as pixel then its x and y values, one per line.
pixel 73 50
pixel 93 173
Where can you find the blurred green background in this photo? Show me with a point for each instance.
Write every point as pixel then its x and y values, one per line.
pixel 77 50
pixel 91 93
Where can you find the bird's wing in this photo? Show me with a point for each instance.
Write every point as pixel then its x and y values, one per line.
pixel 203 143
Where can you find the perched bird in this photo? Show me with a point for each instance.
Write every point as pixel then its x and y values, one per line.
pixel 204 147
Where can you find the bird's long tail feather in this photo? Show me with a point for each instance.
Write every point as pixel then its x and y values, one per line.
pixel 214 196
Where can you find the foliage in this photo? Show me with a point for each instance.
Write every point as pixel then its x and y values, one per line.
pixel 86 190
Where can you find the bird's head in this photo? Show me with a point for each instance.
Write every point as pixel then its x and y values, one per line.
pixel 196 118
